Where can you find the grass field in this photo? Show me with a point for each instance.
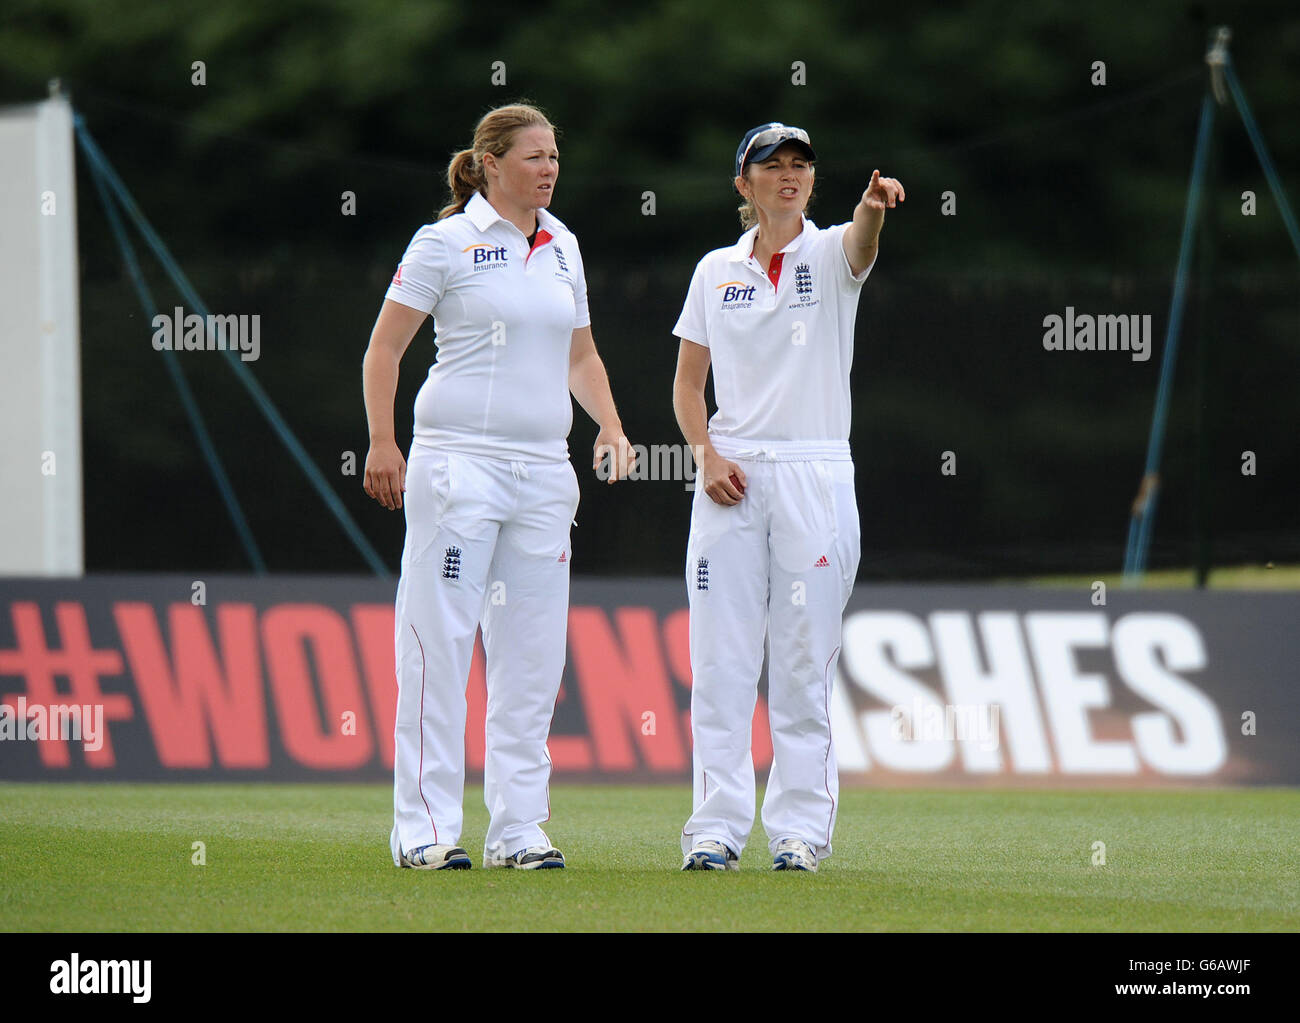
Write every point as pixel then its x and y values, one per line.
pixel 311 857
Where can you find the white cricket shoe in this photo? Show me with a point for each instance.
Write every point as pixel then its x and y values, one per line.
pixel 794 854
pixel 535 857
pixel 436 857
pixel 711 855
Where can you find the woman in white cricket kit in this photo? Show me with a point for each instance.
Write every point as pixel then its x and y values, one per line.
pixel 774 540
pixel 489 489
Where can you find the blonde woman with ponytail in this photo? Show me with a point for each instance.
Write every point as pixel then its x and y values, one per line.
pixel 488 491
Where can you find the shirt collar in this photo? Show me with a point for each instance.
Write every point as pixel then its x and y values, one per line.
pixel 483 214
pixel 744 247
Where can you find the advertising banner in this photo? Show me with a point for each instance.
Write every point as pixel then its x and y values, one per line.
pixel 291 678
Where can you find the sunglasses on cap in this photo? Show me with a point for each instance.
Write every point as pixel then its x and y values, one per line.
pixel 763 142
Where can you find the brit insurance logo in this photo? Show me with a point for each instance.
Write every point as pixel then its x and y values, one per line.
pixel 803 287
pixel 736 294
pixel 487 257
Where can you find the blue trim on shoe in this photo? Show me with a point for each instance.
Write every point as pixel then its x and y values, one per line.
pixel 787 861
pixel 707 859
pixel 456 859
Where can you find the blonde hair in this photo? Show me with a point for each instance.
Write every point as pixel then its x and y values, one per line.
pixel 495 133
pixel 748 214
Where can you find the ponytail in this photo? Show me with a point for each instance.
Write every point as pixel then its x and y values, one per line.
pixel 495 133
pixel 464 178
pixel 747 210
pixel 748 214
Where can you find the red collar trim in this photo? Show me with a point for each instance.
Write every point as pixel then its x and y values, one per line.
pixel 774 270
pixel 543 236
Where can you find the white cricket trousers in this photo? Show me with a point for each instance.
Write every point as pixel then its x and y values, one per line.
pixel 487 541
pixel 778 566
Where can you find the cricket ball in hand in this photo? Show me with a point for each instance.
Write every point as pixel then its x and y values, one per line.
pixel 735 482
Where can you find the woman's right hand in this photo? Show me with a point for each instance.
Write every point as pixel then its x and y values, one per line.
pixel 719 478
pixel 385 478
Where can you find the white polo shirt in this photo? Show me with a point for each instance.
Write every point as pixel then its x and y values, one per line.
pixel 504 319
pixel 780 355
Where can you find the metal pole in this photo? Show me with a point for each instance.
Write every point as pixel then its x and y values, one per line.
pixel 1142 517
pixel 1202 524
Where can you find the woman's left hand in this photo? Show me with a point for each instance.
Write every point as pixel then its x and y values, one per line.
pixel 611 444
pixel 883 193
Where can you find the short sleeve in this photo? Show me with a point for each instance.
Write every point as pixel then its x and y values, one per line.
pixel 693 324
pixel 848 280
pixel 422 274
pixel 581 314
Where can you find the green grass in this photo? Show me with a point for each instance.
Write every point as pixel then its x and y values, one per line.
pixel 1234 577
pixel 312 857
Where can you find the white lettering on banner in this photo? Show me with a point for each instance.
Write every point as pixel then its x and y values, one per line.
pixel 867 638
pixel 1069 693
pixel 997 667
pixel 850 750
pixel 1136 638
pixel 1007 682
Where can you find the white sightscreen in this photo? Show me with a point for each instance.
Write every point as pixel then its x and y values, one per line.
pixel 40 341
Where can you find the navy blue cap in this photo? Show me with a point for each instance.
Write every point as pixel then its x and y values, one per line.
pixel 775 135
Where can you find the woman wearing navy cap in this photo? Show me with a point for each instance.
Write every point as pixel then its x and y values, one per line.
pixel 774 541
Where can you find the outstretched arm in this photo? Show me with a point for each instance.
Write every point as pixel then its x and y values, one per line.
pixel 862 239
